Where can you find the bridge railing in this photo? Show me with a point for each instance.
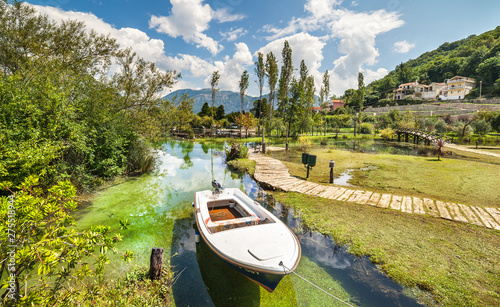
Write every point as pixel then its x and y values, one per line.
pixel 432 136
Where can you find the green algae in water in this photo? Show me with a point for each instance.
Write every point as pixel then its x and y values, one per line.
pixel 158 206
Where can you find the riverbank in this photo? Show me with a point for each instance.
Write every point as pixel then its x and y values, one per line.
pixel 456 263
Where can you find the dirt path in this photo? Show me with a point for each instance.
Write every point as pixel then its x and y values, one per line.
pixel 274 173
pixel 473 150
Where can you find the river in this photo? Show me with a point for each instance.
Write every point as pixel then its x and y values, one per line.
pixel 158 206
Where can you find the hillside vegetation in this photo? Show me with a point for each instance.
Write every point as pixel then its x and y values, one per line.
pixel 477 56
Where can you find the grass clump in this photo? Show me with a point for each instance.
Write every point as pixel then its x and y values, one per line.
pixel 243 165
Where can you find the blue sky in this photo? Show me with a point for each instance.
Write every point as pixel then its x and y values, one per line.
pixel 197 37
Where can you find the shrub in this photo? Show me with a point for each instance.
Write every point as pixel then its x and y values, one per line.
pixel 303 143
pixel 366 128
pixel 323 141
pixel 441 126
pixel 236 151
pixel 387 134
pixel 481 127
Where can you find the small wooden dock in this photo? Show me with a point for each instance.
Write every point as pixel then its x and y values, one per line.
pixel 274 174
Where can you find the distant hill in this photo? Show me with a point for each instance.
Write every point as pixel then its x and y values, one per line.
pixel 477 56
pixel 230 100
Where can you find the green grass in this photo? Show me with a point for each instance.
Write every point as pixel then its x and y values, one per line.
pixel 243 165
pixel 459 264
pixel 471 179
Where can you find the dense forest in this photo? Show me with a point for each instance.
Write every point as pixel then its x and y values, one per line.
pixel 477 56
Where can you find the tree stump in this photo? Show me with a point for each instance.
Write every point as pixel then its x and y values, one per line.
pixel 155 263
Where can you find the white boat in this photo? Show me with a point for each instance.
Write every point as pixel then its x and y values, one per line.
pixel 246 236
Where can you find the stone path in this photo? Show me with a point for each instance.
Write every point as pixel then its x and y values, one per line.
pixel 274 173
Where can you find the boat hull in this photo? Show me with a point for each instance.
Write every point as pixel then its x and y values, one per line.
pixel 267 280
pixel 250 239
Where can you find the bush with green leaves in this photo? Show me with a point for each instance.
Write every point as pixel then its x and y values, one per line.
pixel 52 258
pixel 481 127
pixel 387 134
pixel 237 151
pixel 366 128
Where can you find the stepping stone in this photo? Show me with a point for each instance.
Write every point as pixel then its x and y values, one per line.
pixel 418 206
pixel 373 199
pixel 486 218
pixel 406 204
pixel 455 212
pixel 364 198
pixel 346 195
pixel 384 201
pixel 495 213
pixel 470 215
pixel 355 196
pixel 443 212
pixel 431 207
pixel 396 202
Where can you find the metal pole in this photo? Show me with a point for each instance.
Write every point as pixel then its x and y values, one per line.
pixel 331 174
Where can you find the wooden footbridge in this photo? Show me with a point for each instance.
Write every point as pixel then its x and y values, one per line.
pixel 274 174
pixel 417 136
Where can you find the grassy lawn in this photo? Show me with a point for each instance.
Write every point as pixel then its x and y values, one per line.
pixel 459 264
pixel 470 179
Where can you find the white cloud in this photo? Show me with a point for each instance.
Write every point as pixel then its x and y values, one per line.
pixel 223 15
pixel 230 69
pixel 403 46
pixel 146 47
pixel 189 19
pixel 355 33
pixel 304 47
pixel 233 35
pixel 321 8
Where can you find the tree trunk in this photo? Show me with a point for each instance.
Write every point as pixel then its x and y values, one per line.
pixel 155 263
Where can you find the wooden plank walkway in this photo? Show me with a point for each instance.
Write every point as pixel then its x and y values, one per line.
pixel 275 174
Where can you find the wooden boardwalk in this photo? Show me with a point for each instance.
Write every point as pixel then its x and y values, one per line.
pixel 274 174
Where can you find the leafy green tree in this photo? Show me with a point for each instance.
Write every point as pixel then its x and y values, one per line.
pixel 260 108
pixel 272 72
pixel 214 80
pixel 219 113
pixel 52 255
pixel 260 71
pixel 284 84
pixel 243 87
pixel 205 110
pixel 489 70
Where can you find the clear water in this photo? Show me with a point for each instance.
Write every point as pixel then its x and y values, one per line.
pixel 158 205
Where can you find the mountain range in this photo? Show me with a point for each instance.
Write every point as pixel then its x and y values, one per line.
pixel 230 100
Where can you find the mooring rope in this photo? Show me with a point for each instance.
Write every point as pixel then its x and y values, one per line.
pixel 281 263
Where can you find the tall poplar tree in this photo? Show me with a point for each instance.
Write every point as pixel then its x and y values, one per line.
pixel 361 96
pixel 243 88
pixel 260 71
pixel 213 82
pixel 325 92
pixel 284 84
pixel 272 72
